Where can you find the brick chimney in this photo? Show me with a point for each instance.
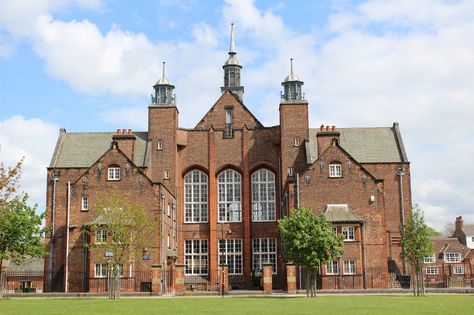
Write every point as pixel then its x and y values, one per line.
pixel 459 223
pixel 325 136
pixel 125 139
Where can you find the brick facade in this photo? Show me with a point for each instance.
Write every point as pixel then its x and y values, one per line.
pixel 153 167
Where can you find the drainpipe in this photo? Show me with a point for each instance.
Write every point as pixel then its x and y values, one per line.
pixel 53 232
pixel 363 255
pixel 297 190
pixel 66 288
pixel 162 241
pixel 401 173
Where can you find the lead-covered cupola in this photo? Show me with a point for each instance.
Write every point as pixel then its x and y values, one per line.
pixel 232 69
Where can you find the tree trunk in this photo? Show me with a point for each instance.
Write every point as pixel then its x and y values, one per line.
pixel 2 280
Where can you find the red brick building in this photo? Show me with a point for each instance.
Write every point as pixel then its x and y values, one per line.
pixel 218 190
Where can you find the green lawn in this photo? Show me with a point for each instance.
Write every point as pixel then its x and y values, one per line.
pixel 386 305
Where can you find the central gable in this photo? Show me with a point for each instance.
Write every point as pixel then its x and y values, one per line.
pixel 216 116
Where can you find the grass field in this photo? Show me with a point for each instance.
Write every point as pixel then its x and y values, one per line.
pixel 386 305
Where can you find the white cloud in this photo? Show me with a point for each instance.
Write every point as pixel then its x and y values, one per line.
pixel 129 117
pixel 33 139
pixel 379 62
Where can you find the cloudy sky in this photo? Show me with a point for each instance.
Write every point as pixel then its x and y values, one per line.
pixel 89 65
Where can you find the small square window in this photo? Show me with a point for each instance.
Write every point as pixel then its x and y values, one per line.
pixel 348 232
pixel 290 171
pixel 167 174
pixel 296 142
pixel 159 145
pixel 335 170
pixel 432 270
pixel 114 173
pixel 349 267
pixel 84 204
pixel 458 270
pixel 431 258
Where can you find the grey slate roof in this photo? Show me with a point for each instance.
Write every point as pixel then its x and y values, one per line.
pixel 365 145
pixel 31 264
pixel 340 213
pixel 468 229
pixel 82 149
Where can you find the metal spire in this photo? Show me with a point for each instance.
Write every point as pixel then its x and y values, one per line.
pixel 164 71
pixel 232 45
pixel 291 66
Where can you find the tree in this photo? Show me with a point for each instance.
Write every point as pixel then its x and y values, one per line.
pixel 21 231
pixel 416 245
pixel 449 229
pixel 128 230
pixel 309 241
pixel 433 233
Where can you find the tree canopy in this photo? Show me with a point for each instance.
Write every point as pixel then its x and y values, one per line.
pixel 416 245
pixel 309 241
pixel 21 230
pixel 129 230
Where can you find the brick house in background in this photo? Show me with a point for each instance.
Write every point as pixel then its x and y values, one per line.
pixel 450 264
pixel 218 189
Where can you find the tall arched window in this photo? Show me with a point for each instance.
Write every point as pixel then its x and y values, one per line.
pixel 263 195
pixel 195 197
pixel 229 198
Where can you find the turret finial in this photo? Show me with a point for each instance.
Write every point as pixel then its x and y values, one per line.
pixel 164 71
pixel 232 44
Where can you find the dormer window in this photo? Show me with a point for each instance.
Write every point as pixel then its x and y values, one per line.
pixel 114 173
pixel 452 257
pixel 335 170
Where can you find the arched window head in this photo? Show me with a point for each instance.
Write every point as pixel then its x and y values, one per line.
pixel 263 195
pixel 195 197
pixel 229 196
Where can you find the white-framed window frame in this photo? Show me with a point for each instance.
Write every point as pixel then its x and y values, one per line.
pixel 431 270
pixel 84 203
pixel 166 174
pixel 230 253
pixel 263 196
pixel 196 197
pixel 458 269
pixel 290 171
pixel 296 142
pixel 101 236
pixel 159 145
pixel 335 170
pixel 349 233
pixel 332 267
pixel 196 257
pixel 350 267
pixel 452 257
pixel 264 250
pixel 229 183
pixel 113 173
pixel 431 258
pixel 100 270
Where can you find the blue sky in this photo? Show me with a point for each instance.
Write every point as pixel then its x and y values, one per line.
pixel 89 65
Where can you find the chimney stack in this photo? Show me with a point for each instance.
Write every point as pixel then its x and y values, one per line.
pixel 459 223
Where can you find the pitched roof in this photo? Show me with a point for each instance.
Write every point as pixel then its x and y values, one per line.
pixel 448 244
pixel 340 213
pixel 82 149
pixel 365 145
pixel 31 264
pixel 468 229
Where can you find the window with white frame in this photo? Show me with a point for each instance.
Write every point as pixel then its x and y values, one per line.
pixel 195 197
pixel 167 174
pixel 100 270
pixel 458 269
pixel 472 239
pixel 119 268
pixel 168 210
pixel 159 145
pixel 168 242
pixel 335 170
pixel 290 171
pixel 332 267
pixel 263 195
pixel 264 251
pixel 84 204
pixel 230 253
pixel 229 197
pixel 114 173
pixel 296 142
pixel 100 236
pixel 431 270
pixel 452 257
pixel 348 232
pixel 349 267
pixel 431 258
pixel 195 257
